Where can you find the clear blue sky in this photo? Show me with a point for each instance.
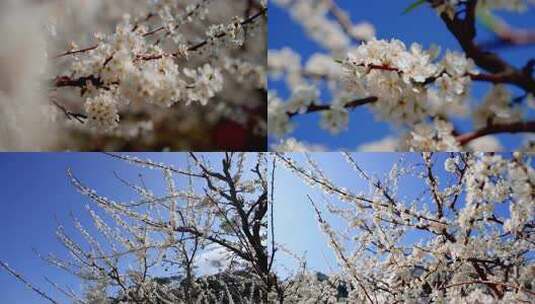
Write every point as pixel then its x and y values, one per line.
pixel 422 25
pixel 37 195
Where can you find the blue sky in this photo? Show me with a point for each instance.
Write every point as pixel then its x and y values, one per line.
pixel 421 25
pixel 37 196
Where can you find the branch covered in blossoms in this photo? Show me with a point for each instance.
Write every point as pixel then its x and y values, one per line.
pixel 463 233
pixel 416 90
pixel 145 65
pixel 124 68
pixel 152 249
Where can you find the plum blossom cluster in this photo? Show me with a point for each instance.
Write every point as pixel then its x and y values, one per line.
pixel 493 179
pixel 420 92
pixel 128 69
pixel 456 241
pixel 437 136
pixel 102 111
pixel 401 79
pixel 202 240
pixel 246 72
pixel 152 63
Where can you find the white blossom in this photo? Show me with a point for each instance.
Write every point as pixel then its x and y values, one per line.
pixel 301 98
pixel 497 108
pixel 451 230
pixel 450 164
pixel 404 84
pixel 102 111
pixel 162 61
pixel 435 137
pixel 334 120
pixel 205 82
pixel 279 121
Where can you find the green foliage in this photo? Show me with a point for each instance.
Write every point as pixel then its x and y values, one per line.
pixel 413 6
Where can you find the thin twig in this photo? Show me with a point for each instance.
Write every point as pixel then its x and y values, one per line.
pixel 70 115
pixel 28 284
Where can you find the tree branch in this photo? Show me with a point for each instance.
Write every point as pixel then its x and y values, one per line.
pixel 518 127
pixel 70 115
pixel 28 284
pixel 350 106
pixel 464 31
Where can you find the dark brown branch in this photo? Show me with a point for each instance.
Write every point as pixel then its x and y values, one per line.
pixel 492 78
pixel 350 105
pixel 518 127
pixel 66 81
pixel 205 42
pixel 247 21
pixel 464 31
pixel 199 45
pixel 70 115
pixel 73 52
pixel 485 77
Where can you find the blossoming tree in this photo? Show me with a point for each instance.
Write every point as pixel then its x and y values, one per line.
pixel 143 75
pixel 465 236
pixel 420 92
pixel 149 249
